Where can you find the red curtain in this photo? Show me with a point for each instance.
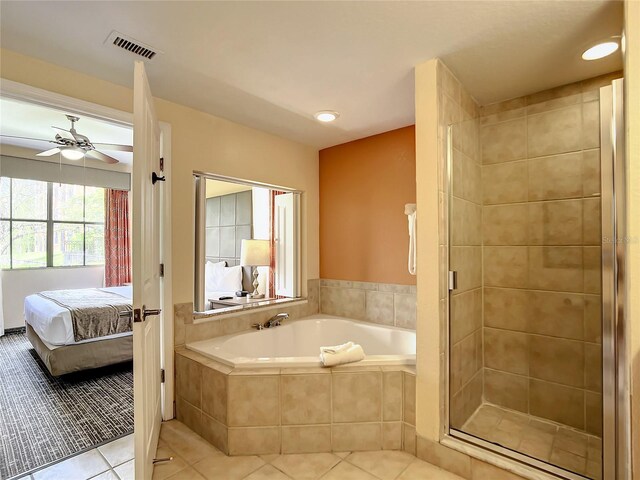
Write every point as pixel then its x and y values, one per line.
pixel 117 245
pixel 272 237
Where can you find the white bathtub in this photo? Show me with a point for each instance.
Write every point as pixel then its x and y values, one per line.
pixel 297 343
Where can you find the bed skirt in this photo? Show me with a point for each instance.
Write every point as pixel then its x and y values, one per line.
pixel 82 356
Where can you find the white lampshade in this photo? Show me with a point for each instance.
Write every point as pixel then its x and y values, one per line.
pixel 255 253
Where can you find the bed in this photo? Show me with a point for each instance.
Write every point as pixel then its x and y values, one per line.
pixel 59 341
pixel 221 281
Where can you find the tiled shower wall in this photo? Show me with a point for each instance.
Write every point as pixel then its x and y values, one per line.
pixel 458 108
pixel 541 254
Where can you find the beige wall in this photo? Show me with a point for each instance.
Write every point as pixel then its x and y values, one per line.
pixel 632 100
pixel 541 254
pixel 199 142
pixel 429 352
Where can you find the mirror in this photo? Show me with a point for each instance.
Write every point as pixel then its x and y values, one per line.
pixel 247 250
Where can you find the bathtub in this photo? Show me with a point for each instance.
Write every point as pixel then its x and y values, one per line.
pixel 297 344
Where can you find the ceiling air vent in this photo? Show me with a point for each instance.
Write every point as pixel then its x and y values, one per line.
pixel 131 45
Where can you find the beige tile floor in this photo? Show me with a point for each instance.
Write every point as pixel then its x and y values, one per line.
pixel 547 441
pixel 196 459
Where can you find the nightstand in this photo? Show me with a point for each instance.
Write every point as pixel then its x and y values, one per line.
pixel 234 302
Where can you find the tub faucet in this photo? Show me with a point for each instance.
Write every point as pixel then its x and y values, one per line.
pixel 272 322
pixel 276 320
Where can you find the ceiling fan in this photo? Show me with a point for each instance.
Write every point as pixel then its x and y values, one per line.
pixel 73 146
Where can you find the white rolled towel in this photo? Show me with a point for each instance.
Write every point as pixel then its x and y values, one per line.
pixel 339 354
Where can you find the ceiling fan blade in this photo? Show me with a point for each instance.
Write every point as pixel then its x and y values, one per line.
pixel 67 134
pixel 27 138
pixel 48 153
pixel 115 147
pixel 101 156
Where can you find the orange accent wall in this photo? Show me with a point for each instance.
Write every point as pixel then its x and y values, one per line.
pixel 364 186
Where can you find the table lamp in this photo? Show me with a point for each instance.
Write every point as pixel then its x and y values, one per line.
pixel 255 253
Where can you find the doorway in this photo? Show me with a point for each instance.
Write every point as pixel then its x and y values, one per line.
pixel 95 113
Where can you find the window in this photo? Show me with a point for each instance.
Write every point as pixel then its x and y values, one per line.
pixel 45 224
pixel 245 233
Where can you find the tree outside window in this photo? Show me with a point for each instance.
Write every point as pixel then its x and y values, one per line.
pixel 45 224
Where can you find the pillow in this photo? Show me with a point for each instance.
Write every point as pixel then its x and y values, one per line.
pixel 210 274
pixel 227 279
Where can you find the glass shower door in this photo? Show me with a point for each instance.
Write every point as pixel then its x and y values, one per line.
pixel 525 316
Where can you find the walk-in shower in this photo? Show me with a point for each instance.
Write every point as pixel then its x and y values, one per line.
pixel 535 203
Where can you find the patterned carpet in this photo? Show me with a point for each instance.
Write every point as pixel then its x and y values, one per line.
pixel 44 419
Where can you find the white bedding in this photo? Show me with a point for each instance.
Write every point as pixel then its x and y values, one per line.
pixel 52 322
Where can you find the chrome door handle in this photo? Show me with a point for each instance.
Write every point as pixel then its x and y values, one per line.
pixel 146 312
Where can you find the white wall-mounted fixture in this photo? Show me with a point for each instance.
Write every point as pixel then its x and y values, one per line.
pixel 326 116
pixel 255 253
pixel 410 212
pixel 601 50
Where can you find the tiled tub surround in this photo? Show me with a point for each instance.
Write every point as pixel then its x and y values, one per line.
pixel 190 327
pixel 541 255
pixel 296 410
pixel 384 303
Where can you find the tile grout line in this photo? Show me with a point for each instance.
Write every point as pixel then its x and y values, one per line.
pixel 107 462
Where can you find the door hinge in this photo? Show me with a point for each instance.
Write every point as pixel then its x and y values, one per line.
pixel 162 375
pixel 453 280
pixel 162 269
pixel 162 164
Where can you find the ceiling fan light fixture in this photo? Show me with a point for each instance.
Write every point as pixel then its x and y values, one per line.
pixel 72 153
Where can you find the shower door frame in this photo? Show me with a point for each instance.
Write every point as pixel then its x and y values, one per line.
pixel 615 383
pixel 508 459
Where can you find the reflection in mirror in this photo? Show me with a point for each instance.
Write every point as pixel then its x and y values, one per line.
pixel 247 244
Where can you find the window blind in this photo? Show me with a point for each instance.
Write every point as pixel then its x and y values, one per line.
pixel 15 167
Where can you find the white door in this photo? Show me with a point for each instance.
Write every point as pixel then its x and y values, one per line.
pixel 146 276
pixel 287 271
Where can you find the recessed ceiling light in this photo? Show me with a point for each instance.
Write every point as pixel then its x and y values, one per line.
pixel 326 116
pixel 600 50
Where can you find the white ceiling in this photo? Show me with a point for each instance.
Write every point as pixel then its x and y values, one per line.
pixel 35 122
pixel 271 65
